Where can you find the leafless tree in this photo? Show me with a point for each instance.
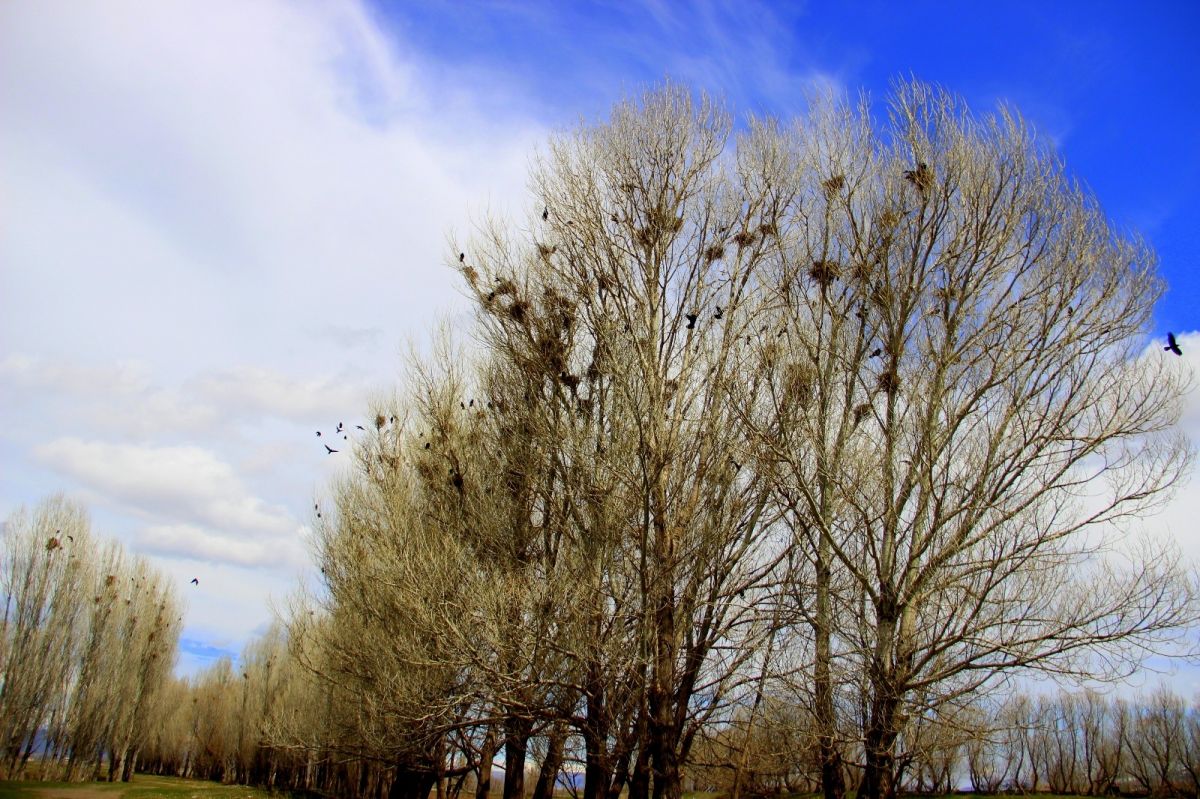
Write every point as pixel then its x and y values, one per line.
pixel 961 411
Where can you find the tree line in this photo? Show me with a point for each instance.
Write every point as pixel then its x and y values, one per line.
pixel 88 639
pixel 848 408
pixel 842 417
pixel 268 722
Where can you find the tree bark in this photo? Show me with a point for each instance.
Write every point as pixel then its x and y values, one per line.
pixel 516 749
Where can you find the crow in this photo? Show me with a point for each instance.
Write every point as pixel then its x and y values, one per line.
pixel 195 581
pixel 330 449
pixel 462 257
pixel 426 445
pixel 318 434
pixel 691 317
pixel 1172 345
pixel 545 214
pixel 360 427
pixel 877 352
pixel 720 312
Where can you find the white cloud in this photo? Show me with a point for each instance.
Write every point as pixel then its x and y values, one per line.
pixel 261 391
pixel 195 543
pixel 181 482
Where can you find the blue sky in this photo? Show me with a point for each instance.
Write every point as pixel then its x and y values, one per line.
pixel 1115 85
pixel 225 222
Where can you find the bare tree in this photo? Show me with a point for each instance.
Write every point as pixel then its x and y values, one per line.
pixel 973 413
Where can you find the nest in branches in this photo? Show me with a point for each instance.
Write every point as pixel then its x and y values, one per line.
pixel 889 381
pixel 744 239
pixel 921 177
pixel 860 412
pixel 768 229
pixel 798 383
pixel 518 311
pixel 825 272
pixel 714 252
pixel 660 224
pixel 833 185
pixel 546 250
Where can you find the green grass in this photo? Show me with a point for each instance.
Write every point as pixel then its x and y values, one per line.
pixel 142 787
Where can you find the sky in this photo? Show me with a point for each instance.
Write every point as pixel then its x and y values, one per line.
pixel 223 224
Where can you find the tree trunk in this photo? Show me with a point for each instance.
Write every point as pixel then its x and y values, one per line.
pixel 597 771
pixel 516 748
pixel 833 781
pixel 878 781
pixel 411 784
pixel 548 775
pixel 487 753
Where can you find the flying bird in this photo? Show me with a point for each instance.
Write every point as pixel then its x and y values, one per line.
pixel 360 427
pixel 691 317
pixel 330 449
pixel 195 581
pixel 339 427
pixel 318 434
pixel 1172 345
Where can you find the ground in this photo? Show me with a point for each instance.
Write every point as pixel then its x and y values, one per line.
pixel 142 787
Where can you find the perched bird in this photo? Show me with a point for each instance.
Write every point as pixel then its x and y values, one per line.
pixel 426 445
pixel 877 352
pixel 195 581
pixel 339 427
pixel 318 434
pixel 720 312
pixel 462 257
pixel 691 317
pixel 545 214
pixel 330 449
pixel 1172 345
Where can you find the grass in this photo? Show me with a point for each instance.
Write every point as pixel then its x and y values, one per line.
pixel 141 787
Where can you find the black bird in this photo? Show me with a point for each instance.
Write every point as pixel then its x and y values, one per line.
pixel 462 257
pixel 360 427
pixel 877 352
pixel 545 214
pixel 691 317
pixel 426 445
pixel 720 312
pixel 330 449
pixel 1172 345
pixel 195 581
pixel 318 434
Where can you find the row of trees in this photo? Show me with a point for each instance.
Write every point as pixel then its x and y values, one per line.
pixel 1081 743
pixel 88 639
pixel 843 410
pixel 269 722
pixel 842 414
